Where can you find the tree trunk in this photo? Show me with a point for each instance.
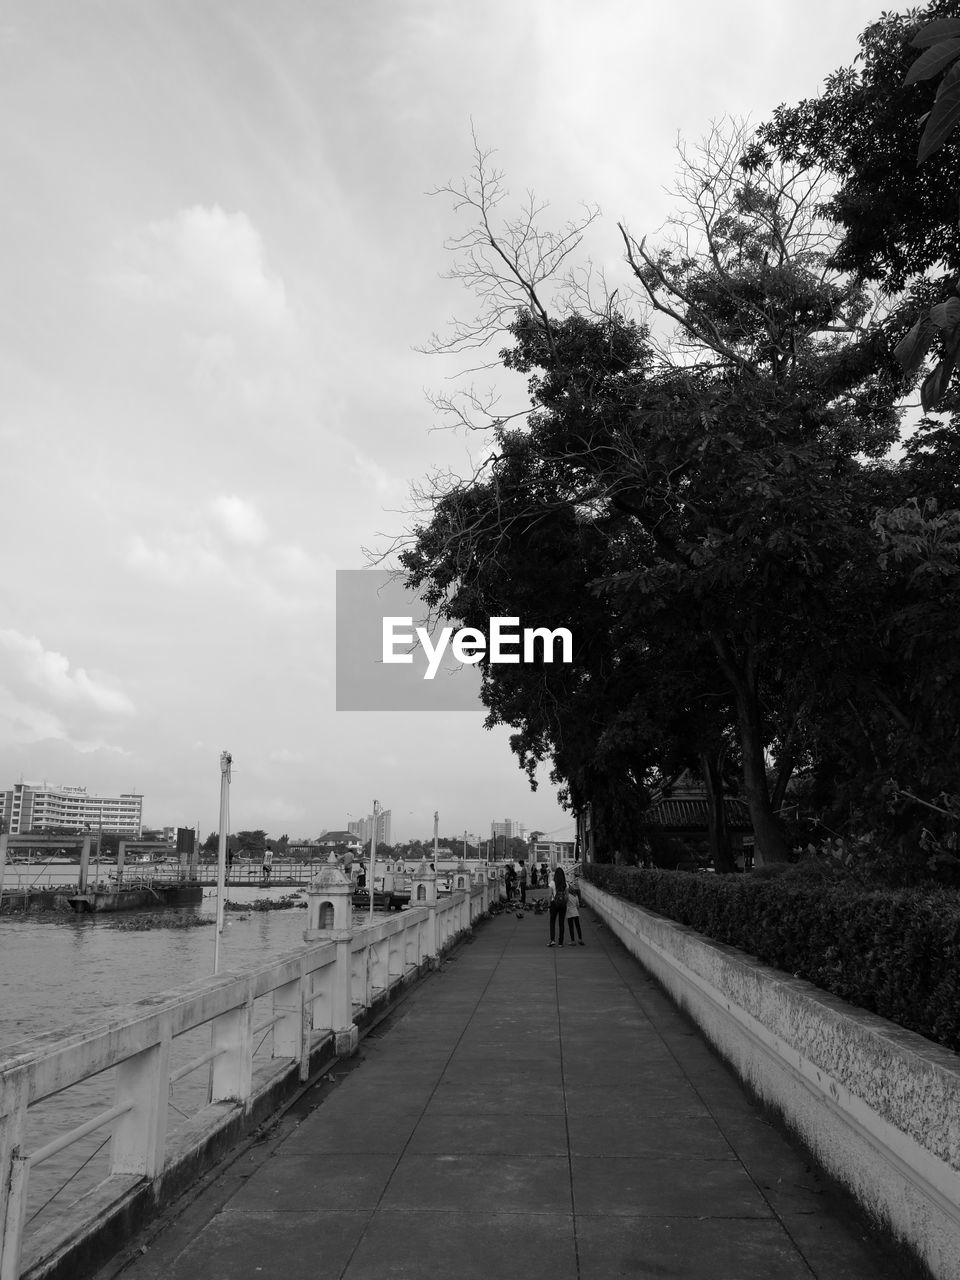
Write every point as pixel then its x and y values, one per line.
pixel 770 844
pixel 723 859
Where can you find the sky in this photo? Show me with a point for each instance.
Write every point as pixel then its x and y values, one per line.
pixel 219 259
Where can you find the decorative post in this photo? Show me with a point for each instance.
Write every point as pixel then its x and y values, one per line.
pixel 424 894
pixel 462 885
pixel 330 919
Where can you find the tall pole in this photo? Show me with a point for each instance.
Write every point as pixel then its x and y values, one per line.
pixel 464 844
pixel 226 759
pixel 436 836
pixel 373 856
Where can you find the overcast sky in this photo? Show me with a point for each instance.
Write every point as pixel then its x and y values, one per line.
pixel 217 257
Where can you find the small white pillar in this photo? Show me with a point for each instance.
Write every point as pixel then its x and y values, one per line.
pixel 423 893
pixel 330 919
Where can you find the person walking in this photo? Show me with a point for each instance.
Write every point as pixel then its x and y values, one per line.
pixel 558 904
pixel 573 914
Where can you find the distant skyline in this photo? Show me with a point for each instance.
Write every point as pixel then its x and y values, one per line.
pixel 218 259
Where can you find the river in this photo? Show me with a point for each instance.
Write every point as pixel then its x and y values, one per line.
pixel 66 971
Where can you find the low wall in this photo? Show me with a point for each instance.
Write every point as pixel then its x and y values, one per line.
pixel 305 1009
pixel 877 1105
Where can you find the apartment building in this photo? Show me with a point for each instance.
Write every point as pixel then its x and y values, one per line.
pixel 508 829
pixel 364 828
pixel 33 806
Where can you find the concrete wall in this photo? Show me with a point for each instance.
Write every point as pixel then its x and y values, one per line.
pixel 878 1106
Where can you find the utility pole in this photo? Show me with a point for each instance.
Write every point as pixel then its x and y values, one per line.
pixel 226 760
pixel 373 855
pixel 436 829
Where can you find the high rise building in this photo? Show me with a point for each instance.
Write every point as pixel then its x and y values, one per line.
pixel 33 806
pixel 508 829
pixel 363 829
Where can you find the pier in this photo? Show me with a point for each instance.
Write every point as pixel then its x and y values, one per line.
pixel 526 1112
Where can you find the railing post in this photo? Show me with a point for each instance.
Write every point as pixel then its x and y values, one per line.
pixel 330 919
pixel 396 956
pixel 288 1004
pixel 232 1075
pixel 140 1136
pixel 14 1167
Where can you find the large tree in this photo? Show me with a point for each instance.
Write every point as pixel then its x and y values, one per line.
pixel 726 442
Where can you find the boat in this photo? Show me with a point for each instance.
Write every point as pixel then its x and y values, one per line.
pixel 383 899
pixel 153 894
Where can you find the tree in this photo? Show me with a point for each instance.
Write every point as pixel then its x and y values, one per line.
pixel 896 219
pixel 732 463
pixel 252 844
pixel 899 221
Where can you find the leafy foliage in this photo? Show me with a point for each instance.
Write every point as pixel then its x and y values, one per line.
pixel 894 952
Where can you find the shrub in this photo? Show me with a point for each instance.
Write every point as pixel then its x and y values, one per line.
pixel 895 952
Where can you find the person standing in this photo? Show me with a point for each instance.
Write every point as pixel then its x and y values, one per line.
pixel 573 914
pixel 523 884
pixel 558 904
pixel 510 881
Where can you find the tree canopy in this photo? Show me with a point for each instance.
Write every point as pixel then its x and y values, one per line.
pixel 700 488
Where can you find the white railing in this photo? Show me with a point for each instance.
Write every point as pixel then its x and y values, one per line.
pixel 293 1002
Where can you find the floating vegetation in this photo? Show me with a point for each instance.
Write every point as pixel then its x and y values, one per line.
pixel 266 904
pixel 159 920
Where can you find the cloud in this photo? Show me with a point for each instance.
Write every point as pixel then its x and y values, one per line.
pixel 179 558
pixel 41 694
pixel 275 810
pixel 231 545
pixel 239 520
pixel 51 673
pixel 206 261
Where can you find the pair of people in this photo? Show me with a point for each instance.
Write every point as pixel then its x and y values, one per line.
pixel 564 906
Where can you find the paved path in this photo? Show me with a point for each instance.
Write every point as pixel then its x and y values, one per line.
pixel 526 1112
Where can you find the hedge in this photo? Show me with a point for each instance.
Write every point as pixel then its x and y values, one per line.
pixel 895 952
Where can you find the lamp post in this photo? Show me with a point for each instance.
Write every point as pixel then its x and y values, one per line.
pixel 373 855
pixel 226 760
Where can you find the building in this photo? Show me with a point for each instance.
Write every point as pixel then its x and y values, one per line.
pixel 331 841
pixel 552 851
pixel 34 806
pixel 363 829
pixel 676 824
pixel 508 829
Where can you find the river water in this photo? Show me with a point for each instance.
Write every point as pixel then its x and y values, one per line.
pixel 67 971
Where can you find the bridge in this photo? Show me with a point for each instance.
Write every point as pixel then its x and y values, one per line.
pixel 459 1100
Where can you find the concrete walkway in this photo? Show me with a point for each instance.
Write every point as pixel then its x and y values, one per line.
pixel 526 1112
